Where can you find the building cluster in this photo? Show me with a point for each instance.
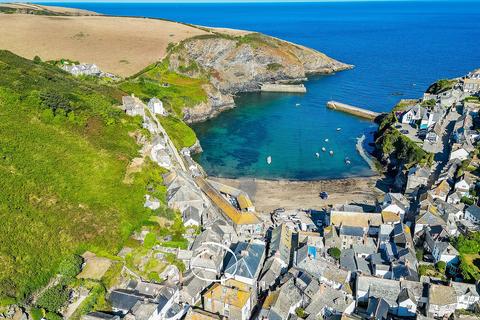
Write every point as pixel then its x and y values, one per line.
pixel 87 69
pixel 348 262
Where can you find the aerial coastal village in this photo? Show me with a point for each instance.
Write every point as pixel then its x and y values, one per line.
pixel 201 248
pixel 413 254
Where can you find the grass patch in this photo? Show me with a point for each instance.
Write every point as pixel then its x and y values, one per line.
pixel 180 133
pixel 175 90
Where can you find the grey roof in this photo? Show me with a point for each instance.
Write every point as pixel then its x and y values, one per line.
pixel 347 260
pixel 474 210
pixel 377 308
pixel 166 294
pixel 271 271
pixel 123 299
pixel 289 295
pixel 144 310
pixel 351 231
pixel 249 256
pixel 327 297
pixel 401 271
pixel 377 287
pixel 406 294
pixel 462 289
pixel 191 213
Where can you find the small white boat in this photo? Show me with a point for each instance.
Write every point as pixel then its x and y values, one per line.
pixel 338 129
pixel 269 159
pixel 297 104
pixel 347 161
pixel 317 154
pixel 326 140
pixel 331 152
pixel 323 149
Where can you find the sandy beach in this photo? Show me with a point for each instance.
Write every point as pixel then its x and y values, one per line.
pixel 268 195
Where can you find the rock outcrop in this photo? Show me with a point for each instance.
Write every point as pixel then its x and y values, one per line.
pixel 243 64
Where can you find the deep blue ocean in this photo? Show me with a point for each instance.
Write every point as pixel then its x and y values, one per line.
pixel 398 48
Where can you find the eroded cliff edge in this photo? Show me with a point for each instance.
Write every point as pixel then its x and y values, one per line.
pixel 234 64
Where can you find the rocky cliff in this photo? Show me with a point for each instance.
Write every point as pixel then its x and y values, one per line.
pixel 243 63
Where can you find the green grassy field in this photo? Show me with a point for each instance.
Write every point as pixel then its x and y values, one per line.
pixel 64 150
pixel 180 133
pixel 176 91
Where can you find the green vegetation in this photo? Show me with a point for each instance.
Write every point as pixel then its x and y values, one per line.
pixel 441 267
pixel 473 99
pixel 469 249
pixel 64 153
pixel 274 66
pixel 300 312
pixel 390 142
pixel 431 271
pixel 335 253
pixel 180 133
pixel 176 91
pixel 428 104
pixel 441 86
pixel 54 297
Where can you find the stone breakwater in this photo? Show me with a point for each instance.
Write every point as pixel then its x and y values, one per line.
pixel 276 87
pixel 243 64
pixel 356 111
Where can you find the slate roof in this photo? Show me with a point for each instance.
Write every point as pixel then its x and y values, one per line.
pixel 441 295
pixel 377 308
pixel 143 311
pixel 377 287
pixel 474 210
pixel 249 257
pixel 352 231
pixel 123 299
pixel 328 297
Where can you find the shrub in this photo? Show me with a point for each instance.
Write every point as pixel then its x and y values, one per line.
pixel 54 297
pixel 441 266
pixel 335 253
pixel 467 200
pixel 71 266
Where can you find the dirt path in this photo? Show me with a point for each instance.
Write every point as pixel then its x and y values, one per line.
pixel 268 195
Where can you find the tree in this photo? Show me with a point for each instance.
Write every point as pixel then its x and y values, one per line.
pixel 335 253
pixel 55 101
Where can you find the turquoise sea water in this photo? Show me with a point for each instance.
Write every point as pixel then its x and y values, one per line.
pixel 398 48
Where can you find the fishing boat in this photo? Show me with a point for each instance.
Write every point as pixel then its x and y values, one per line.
pixel 347 160
pixel 331 152
pixel 317 154
pixel 269 159
pixel 338 129
pixel 326 140
pixel 323 149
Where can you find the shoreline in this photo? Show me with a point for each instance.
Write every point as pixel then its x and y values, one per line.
pixel 268 195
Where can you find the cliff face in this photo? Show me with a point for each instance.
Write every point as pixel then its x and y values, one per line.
pixel 243 64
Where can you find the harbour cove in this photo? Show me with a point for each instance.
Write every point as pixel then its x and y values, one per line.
pixel 398 50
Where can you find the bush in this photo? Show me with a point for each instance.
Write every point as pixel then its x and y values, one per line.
pixel 71 266
pixel 335 253
pixel 300 312
pixel 54 297
pixel 467 200
pixel 441 266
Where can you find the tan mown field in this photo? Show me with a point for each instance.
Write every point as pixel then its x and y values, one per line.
pixel 119 45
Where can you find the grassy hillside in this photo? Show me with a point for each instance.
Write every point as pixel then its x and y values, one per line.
pixel 176 91
pixel 64 151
